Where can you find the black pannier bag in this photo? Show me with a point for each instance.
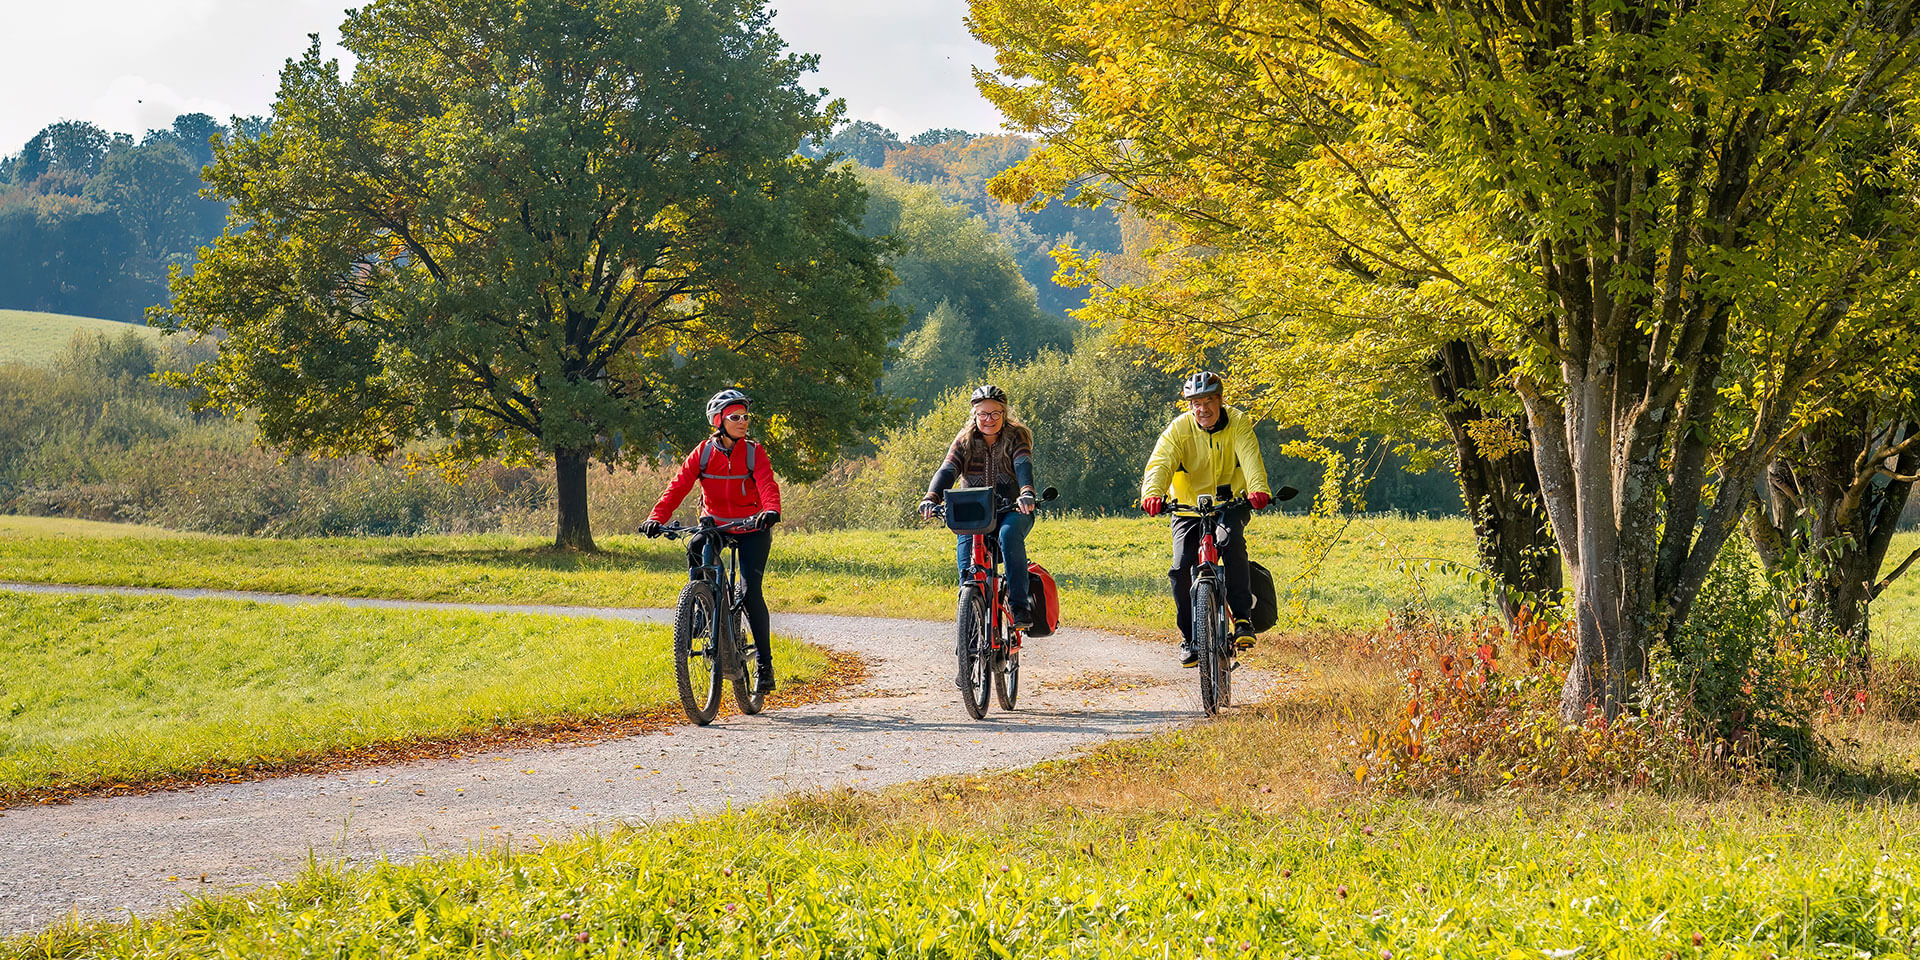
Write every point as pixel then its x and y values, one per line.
pixel 1266 605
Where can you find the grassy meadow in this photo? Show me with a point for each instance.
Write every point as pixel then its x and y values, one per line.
pixel 1244 837
pixel 1111 571
pixel 98 691
pixel 27 336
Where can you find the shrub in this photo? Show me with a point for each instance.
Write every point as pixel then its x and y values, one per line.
pixel 1749 670
pixel 1480 710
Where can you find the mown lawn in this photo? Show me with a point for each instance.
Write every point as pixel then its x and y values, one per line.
pixel 97 691
pixel 29 336
pixel 1238 838
pixel 1112 571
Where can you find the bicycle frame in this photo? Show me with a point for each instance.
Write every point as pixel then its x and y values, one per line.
pixel 724 574
pixel 983 573
pixel 1211 515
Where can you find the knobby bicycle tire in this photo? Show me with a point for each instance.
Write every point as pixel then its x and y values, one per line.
pixel 698 664
pixel 971 646
pixel 746 679
pixel 1204 642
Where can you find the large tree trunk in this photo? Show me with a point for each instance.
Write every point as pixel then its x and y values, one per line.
pixel 1833 500
pixel 574 532
pixel 1501 487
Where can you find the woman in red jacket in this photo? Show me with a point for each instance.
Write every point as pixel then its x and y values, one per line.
pixel 736 483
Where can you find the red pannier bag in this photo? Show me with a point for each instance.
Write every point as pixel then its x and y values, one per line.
pixel 1045 598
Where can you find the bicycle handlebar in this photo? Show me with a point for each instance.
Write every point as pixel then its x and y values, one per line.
pixel 1000 504
pixel 1219 506
pixel 676 529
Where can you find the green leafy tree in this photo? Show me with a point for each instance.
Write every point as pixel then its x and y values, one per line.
pixel 155 190
pixel 1652 212
pixel 941 135
pixel 535 230
pixel 1215 267
pixel 959 282
pixel 861 141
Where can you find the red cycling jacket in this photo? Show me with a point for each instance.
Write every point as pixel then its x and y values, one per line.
pixel 734 485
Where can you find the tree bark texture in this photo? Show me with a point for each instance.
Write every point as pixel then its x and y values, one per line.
pixel 1833 499
pixel 1501 487
pixel 574 530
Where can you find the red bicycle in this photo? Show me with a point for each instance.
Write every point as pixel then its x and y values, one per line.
pixel 988 642
pixel 1212 620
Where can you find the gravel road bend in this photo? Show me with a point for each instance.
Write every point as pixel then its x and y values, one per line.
pixel 111 856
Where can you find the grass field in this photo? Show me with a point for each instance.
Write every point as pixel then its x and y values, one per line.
pixel 30 337
pixel 1239 838
pixel 1112 572
pixel 96 691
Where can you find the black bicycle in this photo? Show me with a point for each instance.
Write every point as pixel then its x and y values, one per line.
pixel 710 639
pixel 1212 620
pixel 988 642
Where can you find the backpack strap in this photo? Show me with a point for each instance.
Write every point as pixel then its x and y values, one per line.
pixel 710 447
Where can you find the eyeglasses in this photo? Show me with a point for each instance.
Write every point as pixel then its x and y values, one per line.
pixel 984 415
pixel 738 417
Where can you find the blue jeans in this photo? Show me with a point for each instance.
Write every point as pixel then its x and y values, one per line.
pixel 1013 554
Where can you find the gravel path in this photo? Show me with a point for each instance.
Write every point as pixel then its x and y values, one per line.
pixel 142 854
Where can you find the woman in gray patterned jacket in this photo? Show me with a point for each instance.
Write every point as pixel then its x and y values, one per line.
pixel 994 450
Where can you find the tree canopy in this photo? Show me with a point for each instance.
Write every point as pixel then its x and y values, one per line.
pixel 523 230
pixel 93 220
pixel 1662 219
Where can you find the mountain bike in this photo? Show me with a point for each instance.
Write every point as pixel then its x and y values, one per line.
pixel 987 641
pixel 1212 620
pixel 710 639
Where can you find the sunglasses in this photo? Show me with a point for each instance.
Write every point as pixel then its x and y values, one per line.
pixel 738 417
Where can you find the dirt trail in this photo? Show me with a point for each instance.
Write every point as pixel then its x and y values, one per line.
pixel 142 854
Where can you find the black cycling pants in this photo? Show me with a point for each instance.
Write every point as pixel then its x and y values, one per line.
pixel 1186 557
pixel 754 548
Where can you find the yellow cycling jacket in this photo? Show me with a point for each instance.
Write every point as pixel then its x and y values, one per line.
pixel 1194 461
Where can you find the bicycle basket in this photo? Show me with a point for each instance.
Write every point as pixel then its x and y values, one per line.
pixel 970 511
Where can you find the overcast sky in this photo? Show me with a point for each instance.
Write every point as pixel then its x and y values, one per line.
pixel 131 65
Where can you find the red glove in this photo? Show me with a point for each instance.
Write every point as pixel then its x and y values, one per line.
pixel 1259 500
pixel 1154 506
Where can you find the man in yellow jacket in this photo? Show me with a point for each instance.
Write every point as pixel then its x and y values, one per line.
pixel 1209 449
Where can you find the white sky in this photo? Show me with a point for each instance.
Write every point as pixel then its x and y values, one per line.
pixel 131 65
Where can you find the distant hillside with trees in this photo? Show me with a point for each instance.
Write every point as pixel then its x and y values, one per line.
pixel 91 221
pixel 958 165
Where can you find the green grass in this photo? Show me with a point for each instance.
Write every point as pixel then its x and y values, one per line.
pixel 1112 572
pixel 842 876
pixel 104 690
pixel 30 337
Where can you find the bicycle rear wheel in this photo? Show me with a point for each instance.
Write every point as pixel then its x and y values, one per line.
pixel 1006 673
pixel 746 679
pixel 1213 676
pixel 974 652
pixel 696 651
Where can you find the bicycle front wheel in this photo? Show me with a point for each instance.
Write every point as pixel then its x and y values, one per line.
pixel 746 679
pixel 976 656
pixel 697 661
pixel 1213 674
